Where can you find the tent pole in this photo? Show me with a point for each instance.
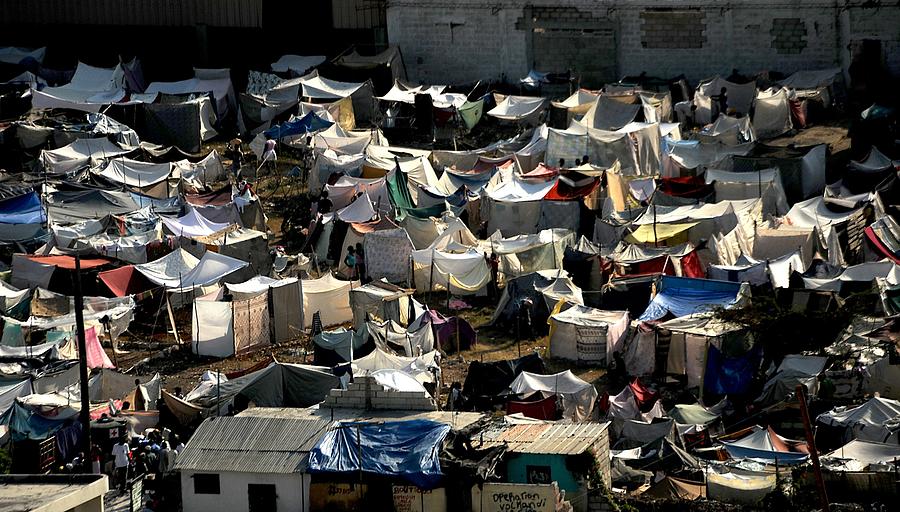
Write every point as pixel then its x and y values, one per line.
pixel 85 416
pixel 811 444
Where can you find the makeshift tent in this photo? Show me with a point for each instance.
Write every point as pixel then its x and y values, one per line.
pixel 328 296
pixel 802 168
pixel 671 488
pixel 765 444
pixel 79 154
pixel 859 455
pixel 277 385
pixel 380 300
pixel 739 486
pixel 391 337
pixel 682 296
pixel 332 348
pixel 387 254
pixel 211 268
pixel 225 329
pixel 284 301
pixel 609 114
pixel 404 449
pixel 772 113
pixel 451 334
pixel 484 381
pixel 691 338
pixel 424 368
pixel 192 224
pixel 876 420
pixel 730 375
pixel 794 369
pixel 692 414
pixel 577 396
pixel 586 334
pixel 169 271
pixel 764 183
pixel 519 108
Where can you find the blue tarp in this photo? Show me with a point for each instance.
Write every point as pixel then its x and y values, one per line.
pixel 306 124
pixel 730 375
pixel 683 296
pixel 24 209
pixel 408 449
pixel 24 423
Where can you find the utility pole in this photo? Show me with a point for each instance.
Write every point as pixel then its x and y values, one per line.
pixel 83 369
pixel 811 444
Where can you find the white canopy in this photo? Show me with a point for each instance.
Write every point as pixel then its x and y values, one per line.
pixel 876 420
pixel 82 152
pixel 577 396
pixel 192 224
pixel 168 270
pixel 211 268
pixel 360 210
pixel 328 296
pixel 317 87
pixel 135 173
pixel 297 63
pixel 516 108
pixel 421 368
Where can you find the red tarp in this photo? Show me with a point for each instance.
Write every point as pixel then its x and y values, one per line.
pixel 540 410
pixel 657 265
pixel 68 262
pixel 541 172
pixel 691 266
pixel 685 186
pixel 879 246
pixel 644 396
pixel 125 281
pixel 563 192
pixel 96 356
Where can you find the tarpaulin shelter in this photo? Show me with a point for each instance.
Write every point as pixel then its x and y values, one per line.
pixel 692 414
pixel 577 396
pixel 228 328
pixel 794 369
pixel 772 113
pixel 876 420
pixel 764 183
pixel 740 97
pixel 451 334
pixel 691 338
pixel 151 179
pixel 87 205
pixel 380 300
pixel 277 385
pixel 858 455
pixel 79 154
pixel 405 449
pixel 519 108
pixel 193 224
pixel 328 296
pixel 284 303
pixel 485 381
pixel 387 254
pixel 89 89
pixel 520 288
pixel 522 254
pixel 672 488
pixel 586 334
pixel 169 270
pixel 211 268
pixel 739 486
pixel 424 368
pixel 765 444
pixel 392 337
pixel 802 168
pixel 299 126
pixel 682 296
pixel 332 348
pixel 732 375
pixel 728 130
pixel 22 209
pixel 608 113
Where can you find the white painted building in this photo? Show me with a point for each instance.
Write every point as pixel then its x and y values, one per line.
pixel 248 464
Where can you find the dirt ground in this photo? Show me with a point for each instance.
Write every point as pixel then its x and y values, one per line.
pixel 180 368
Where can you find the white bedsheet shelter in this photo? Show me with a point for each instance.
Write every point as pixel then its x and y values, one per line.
pixel 328 296
pixel 582 333
pixel 423 368
pixel 876 420
pixel 169 270
pixel 224 329
pixel 90 88
pixel 577 396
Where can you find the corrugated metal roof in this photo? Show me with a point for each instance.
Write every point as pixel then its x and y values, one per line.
pixel 546 438
pixel 456 420
pixel 251 445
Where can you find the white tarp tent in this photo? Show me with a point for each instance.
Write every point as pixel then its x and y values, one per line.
pixel 577 396
pixel 736 186
pixel 285 302
pixel 582 333
pixel 192 224
pixel 224 329
pixel 169 270
pixel 328 296
pixel 519 108
pixel 81 153
pixel 772 114
pixel 424 368
pixel 876 420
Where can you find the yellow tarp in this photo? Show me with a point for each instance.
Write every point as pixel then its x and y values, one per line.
pixel 671 234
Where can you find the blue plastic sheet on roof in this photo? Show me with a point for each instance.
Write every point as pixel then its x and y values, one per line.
pixel 24 209
pixel 408 449
pixel 306 124
pixel 25 423
pixel 683 296
pixel 730 375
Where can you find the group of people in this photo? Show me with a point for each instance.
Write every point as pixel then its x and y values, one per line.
pixel 154 454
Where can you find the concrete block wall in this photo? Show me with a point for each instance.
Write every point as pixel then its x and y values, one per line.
pixel 456 41
pixel 365 393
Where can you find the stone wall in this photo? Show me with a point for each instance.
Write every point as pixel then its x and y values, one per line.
pixel 457 41
pixel 365 393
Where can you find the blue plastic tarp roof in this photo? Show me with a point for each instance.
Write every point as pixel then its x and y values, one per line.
pixel 306 124
pixel 24 209
pixel 408 449
pixel 683 296
pixel 730 375
pixel 24 423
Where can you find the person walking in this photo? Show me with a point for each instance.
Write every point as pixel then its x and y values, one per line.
pixel 120 455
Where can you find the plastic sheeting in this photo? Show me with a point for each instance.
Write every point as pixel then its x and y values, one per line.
pixel 404 449
pixel 609 114
pixel 577 396
pixel 169 270
pixel 465 272
pixel 765 444
pixel 581 325
pixel 81 153
pixel 423 368
pixel 876 420
pixel 684 296
pixel 192 224
pixel 772 114
pixel 519 108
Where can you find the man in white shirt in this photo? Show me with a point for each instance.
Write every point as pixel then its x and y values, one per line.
pixel 120 453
